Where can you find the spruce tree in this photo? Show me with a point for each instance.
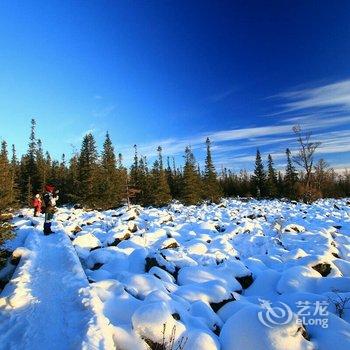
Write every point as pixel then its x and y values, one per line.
pixel 29 174
pixel 145 184
pixel 191 191
pixel 72 189
pixel 87 171
pixel 161 190
pixel 259 177
pixel 212 188
pixel 271 178
pixel 15 173
pixel 122 174
pixel 111 186
pixel 7 185
pixel 290 177
pixel 41 166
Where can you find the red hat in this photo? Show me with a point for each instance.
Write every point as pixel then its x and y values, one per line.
pixel 49 188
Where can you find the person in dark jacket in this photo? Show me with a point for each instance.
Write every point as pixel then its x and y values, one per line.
pixel 50 199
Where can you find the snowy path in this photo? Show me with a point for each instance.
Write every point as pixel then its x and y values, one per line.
pixel 48 302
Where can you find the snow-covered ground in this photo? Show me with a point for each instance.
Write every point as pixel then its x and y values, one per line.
pixel 240 275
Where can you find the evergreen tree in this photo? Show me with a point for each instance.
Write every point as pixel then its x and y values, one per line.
pixel 15 173
pixel 272 182
pixel 7 185
pixel 122 174
pixel 290 177
pixel 145 184
pixel 111 187
pixel 87 171
pixel 72 187
pixel 161 190
pixel 191 193
pixel 280 184
pixel 29 174
pixel 41 166
pixel 259 177
pixel 135 177
pixel 212 188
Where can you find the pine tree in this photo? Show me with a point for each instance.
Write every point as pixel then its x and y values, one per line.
pixel 111 187
pixel 145 196
pixel 191 193
pixel 15 172
pixel 29 174
pixel 72 188
pixel 87 171
pixel 271 178
pixel 161 190
pixel 7 185
pixel 41 166
pixel 122 174
pixel 212 188
pixel 290 177
pixel 259 177
pixel 135 180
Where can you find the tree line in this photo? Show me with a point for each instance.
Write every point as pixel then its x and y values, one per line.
pixel 101 181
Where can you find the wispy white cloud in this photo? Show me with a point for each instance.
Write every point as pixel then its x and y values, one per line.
pixel 322 110
pixel 335 96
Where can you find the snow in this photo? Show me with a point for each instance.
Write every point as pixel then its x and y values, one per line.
pixel 244 331
pixel 188 277
pixel 48 300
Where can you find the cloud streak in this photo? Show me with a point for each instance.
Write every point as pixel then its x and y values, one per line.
pixel 323 110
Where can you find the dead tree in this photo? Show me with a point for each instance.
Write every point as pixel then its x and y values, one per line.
pixel 305 155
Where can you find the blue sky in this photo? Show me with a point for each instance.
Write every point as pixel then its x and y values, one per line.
pixel 174 72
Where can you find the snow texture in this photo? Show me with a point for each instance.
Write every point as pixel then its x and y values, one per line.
pixel 183 277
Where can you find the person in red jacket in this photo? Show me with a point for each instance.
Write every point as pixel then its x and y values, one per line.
pixel 37 205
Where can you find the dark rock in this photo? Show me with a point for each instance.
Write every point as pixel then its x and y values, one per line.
pixel 172 245
pixel 336 207
pixel 217 306
pixel 245 281
pixel 220 228
pixel 77 229
pixel 336 255
pixel 216 329
pixel 338 227
pixel 176 316
pixel 97 266
pixel 323 268
pixel 133 229
pixel 151 262
pixel 251 216
pixel 94 248
pixel 118 240
pixel 15 260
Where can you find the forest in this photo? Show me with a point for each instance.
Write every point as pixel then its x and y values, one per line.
pixel 99 180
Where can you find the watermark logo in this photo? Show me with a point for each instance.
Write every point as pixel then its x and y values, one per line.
pixel 307 314
pixel 279 314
